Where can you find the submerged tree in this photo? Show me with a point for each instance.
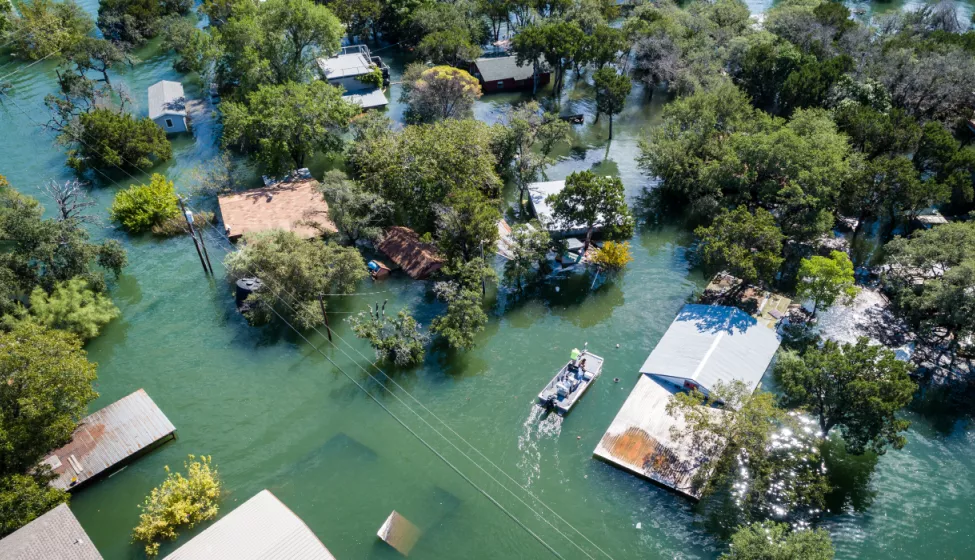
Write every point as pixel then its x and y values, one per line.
pixel 44 28
pixel 859 388
pixel 109 138
pixel 613 256
pixel 73 307
pixel 826 279
pixel 140 207
pixel 294 272
pixel 465 316
pixel 466 224
pixel 357 213
pixel 528 140
pixel 529 246
pixel 748 245
pixel 777 541
pixel 438 93
pixel 396 339
pixel 590 201
pixel 611 91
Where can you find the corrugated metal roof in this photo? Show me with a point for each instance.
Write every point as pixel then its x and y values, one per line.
pixel 367 100
pixel 260 528
pixel 495 69
pixel 712 343
pixel 108 437
pixel 166 98
pixel 344 65
pixel 54 535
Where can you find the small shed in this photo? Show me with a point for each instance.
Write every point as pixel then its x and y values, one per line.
pixel 708 344
pixel 292 204
pixel 167 106
pixel 260 528
pixel 503 73
pixel 54 535
pixel 403 246
pixel 109 437
pixel 399 533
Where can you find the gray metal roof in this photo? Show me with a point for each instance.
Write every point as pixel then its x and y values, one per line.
pixel 108 437
pixel 499 68
pixel 367 100
pixel 166 98
pixel 56 534
pixel 344 65
pixel 712 343
pixel 260 528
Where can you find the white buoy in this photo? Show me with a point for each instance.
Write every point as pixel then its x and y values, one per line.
pixel 617 345
pixel 639 525
pixel 556 289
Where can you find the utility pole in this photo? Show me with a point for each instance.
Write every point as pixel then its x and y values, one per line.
pixel 328 329
pixel 189 219
pixel 195 242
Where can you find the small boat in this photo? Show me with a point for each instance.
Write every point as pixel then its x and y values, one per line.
pixel 568 385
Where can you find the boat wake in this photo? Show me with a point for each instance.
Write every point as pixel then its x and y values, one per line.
pixel 540 425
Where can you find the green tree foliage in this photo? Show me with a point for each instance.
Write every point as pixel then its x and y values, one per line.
pixel 73 307
pixel 439 93
pixel 560 43
pixel 450 46
pixel 180 501
pixel 776 541
pixel 356 15
pixel 613 256
pixel 465 316
pixel 24 498
pixel 604 45
pixel 856 387
pixel 748 245
pixel 941 155
pixel 466 223
pixel 611 91
pixel 274 42
pixel 811 83
pixel 133 22
pixel 284 124
pixel 761 63
pixel 417 168
pixel 527 140
pixel 140 207
pixel 196 49
pixel 825 279
pixel 446 32
pixel 294 272
pixel 44 28
pixel 43 252
pixel 45 388
pixel 751 445
pixel 932 280
pixel 874 133
pixel 591 201
pixel 529 246
pixel 357 213
pixel 397 340
pixel 108 138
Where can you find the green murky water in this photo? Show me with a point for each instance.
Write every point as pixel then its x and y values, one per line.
pixel 275 414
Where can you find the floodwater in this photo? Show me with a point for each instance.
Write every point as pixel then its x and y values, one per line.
pixel 467 458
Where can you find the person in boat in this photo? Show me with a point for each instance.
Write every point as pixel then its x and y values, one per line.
pixel 574 359
pixel 582 365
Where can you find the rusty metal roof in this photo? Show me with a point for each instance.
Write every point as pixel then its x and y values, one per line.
pixel 403 246
pixel 56 534
pixel 292 205
pixel 260 528
pixel 108 437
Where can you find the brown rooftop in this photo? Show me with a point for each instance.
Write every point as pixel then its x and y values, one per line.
pixel 403 246
pixel 289 205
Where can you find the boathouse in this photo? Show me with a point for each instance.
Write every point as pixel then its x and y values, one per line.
pixel 705 345
pixel 503 73
pixel 261 527
pixel 348 68
pixel 538 195
pixel 167 106
pixel 108 438
pixel 403 246
pixel 291 204
pixel 56 534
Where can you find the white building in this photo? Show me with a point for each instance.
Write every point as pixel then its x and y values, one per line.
pixel 346 69
pixel 167 106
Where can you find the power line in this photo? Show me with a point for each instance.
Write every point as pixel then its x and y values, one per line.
pixel 38 61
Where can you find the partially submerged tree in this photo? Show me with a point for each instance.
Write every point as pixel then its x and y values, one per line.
pixel 140 207
pixel 283 125
pixel 466 223
pixel 529 246
pixel 72 307
pixel 778 541
pixel 590 201
pixel 180 501
pixel 294 273
pixel 109 138
pixel 748 245
pixel 612 256
pixel 438 93
pixel 528 140
pixel 826 279
pixel 465 316
pixel 611 91
pixel 357 213
pixel 858 388
pixel 396 339
pixel 44 28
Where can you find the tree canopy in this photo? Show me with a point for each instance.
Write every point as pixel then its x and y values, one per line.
pixel 591 200
pixel 110 138
pixel 140 207
pixel 357 213
pixel 438 93
pixel 611 91
pixel 826 279
pixel 777 541
pixel 748 245
pixel 396 339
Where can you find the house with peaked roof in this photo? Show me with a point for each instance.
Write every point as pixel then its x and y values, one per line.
pixel 503 73
pixel 167 106
pixel 56 534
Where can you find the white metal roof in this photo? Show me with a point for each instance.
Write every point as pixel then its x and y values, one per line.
pixel 712 343
pixel 344 65
pixel 56 534
pixel 538 192
pixel 495 69
pixel 260 528
pixel 368 100
pixel 166 98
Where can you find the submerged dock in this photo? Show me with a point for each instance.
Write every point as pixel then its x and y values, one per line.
pixel 704 346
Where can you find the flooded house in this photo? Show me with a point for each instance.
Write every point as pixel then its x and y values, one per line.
pixel 503 73
pixel 403 246
pixel 352 68
pixel 291 204
pixel 167 106
pixel 56 534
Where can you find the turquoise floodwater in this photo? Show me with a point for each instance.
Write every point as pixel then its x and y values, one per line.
pixel 273 413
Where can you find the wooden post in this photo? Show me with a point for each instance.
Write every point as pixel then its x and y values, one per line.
pixel 328 329
pixel 195 243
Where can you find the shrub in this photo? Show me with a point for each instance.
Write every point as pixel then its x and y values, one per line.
pixel 107 138
pixel 398 339
pixel 140 207
pixel 74 307
pixel 612 256
pixel 178 501
pixel 373 78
